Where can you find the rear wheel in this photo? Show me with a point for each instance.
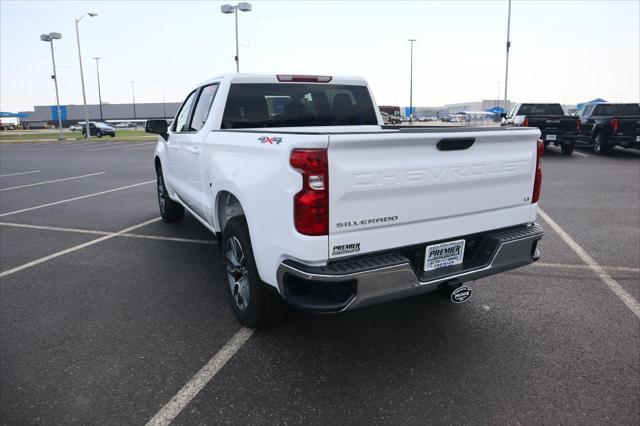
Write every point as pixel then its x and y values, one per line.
pixel 600 146
pixel 567 149
pixel 113 135
pixel 99 134
pixel 169 209
pixel 253 302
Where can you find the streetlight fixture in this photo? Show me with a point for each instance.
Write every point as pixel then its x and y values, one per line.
pixel 230 8
pixel 411 40
pixel 84 96
pixel 99 94
pixel 133 95
pixel 49 39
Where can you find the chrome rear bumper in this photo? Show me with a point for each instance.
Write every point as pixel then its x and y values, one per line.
pixel 351 284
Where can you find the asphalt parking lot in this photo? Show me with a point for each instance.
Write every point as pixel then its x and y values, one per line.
pixel 106 313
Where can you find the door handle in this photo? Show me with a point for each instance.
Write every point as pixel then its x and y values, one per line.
pixel 193 149
pixel 455 144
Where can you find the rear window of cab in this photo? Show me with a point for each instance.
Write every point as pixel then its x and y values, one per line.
pixel 297 105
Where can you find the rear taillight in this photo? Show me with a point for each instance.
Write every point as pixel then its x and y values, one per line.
pixel 311 204
pixel 525 123
pixel 615 124
pixel 578 124
pixel 305 78
pixel 537 183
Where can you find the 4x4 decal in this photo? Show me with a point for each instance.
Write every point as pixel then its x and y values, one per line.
pixel 271 140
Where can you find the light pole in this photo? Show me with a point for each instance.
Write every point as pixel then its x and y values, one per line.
pixel 84 96
pixel 506 73
pixel 411 41
pixel 230 8
pixel 164 108
pixel 49 39
pixel 99 94
pixel 133 95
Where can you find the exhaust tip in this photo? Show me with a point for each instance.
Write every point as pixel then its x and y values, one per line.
pixel 536 255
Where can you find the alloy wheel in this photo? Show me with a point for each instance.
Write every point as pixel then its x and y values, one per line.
pixel 237 273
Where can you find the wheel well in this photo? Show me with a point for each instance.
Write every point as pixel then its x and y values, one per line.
pixel 228 206
pixel 158 164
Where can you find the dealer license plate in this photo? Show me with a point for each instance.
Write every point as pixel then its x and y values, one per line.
pixel 551 137
pixel 444 254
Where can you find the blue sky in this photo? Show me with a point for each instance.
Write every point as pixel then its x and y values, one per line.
pixel 561 50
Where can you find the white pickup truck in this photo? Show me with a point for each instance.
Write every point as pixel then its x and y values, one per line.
pixel 318 205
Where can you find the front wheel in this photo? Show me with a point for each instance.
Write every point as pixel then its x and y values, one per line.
pixel 113 135
pixel 567 149
pixel 253 302
pixel 600 146
pixel 169 209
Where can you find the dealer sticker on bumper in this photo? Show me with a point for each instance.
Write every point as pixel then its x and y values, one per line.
pixel 444 254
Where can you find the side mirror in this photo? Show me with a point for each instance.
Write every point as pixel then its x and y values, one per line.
pixel 503 115
pixel 158 127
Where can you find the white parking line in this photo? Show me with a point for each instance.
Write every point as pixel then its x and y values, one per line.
pixel 142 145
pixel 617 289
pixel 95 194
pixel 51 181
pixel 75 248
pixel 96 232
pixel 112 145
pixel 571 266
pixel 21 173
pixel 171 410
pixel 176 239
pixel 557 149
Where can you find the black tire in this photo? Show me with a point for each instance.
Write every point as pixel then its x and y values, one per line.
pixel 99 134
pixel 84 135
pixel 264 306
pixel 113 135
pixel 169 209
pixel 600 146
pixel 567 149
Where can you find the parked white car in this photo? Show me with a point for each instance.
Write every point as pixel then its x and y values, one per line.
pixel 317 205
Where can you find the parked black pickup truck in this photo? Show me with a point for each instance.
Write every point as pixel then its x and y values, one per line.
pixel 607 125
pixel 556 127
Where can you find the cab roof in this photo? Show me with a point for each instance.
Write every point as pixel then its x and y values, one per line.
pixel 285 78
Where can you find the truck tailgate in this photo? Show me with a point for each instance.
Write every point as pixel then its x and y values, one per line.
pixel 395 189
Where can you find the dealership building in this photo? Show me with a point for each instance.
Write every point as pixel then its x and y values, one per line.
pixel 46 115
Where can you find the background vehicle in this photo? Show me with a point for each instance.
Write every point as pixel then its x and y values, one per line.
pixel 99 129
pixel 318 205
pixel 607 125
pixel 556 127
pixel 7 126
pixel 75 127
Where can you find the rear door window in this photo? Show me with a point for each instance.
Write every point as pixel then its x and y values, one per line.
pixel 297 105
